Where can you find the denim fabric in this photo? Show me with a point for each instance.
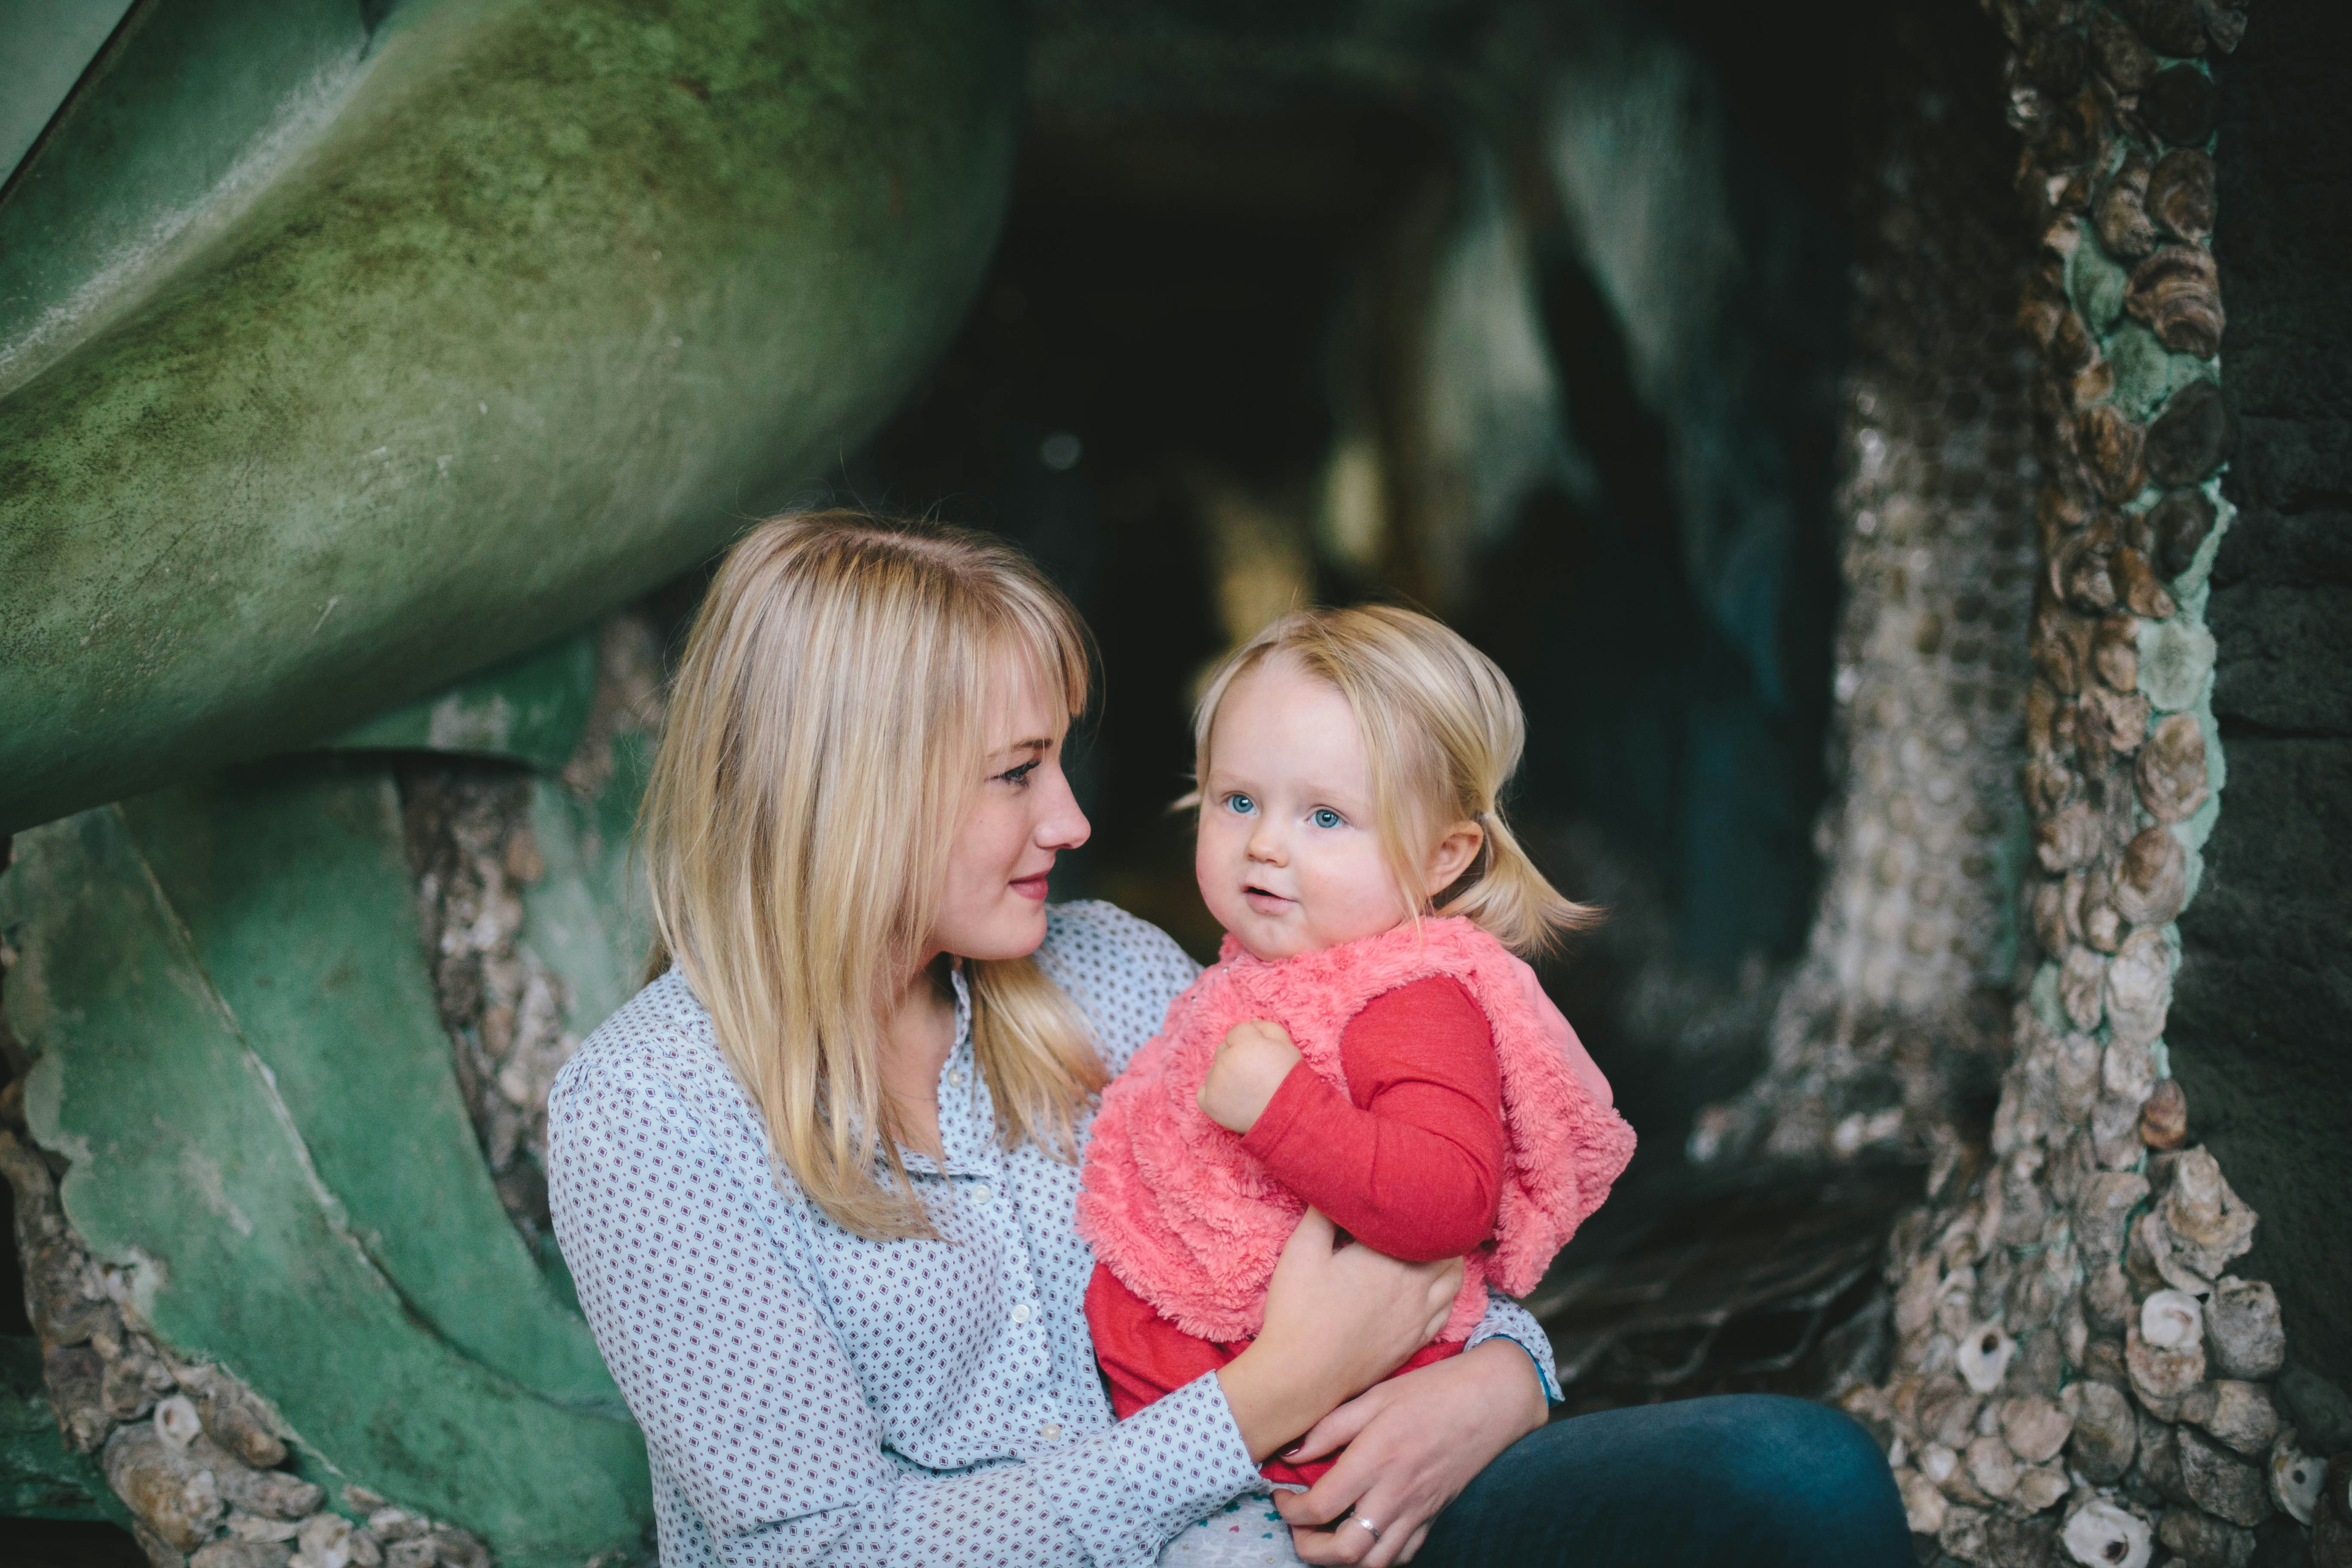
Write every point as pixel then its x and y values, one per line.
pixel 1738 1481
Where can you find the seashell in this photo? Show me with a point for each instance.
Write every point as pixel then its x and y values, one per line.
pixel 275 1493
pixel 2239 1414
pixel 2295 1478
pixel 2078 573
pixel 2203 1541
pixel 2243 1327
pixel 365 1550
pixel 458 1549
pixel 1983 1356
pixel 2225 22
pixel 2076 1078
pixel 234 1419
pixel 2104 1208
pixel 2036 1427
pixel 2054 61
pixel 2222 1483
pixel 236 1552
pixel 2103 1432
pixel 2115 1132
pixel 2180 195
pixel 2119 216
pixel 159 1483
pixel 2068 839
pixel 2115 450
pixel 124 1390
pixel 250 1527
pixel 2139 986
pixel 2176 105
pixel 2102 1534
pixel 2101 927
pixel 416 1553
pixel 2151 1259
pixel 2117 720
pixel 2137 583
pixel 2082 982
pixel 2115 652
pixel 393 1524
pixel 325 1542
pixel 2159 1377
pixel 1948 1415
pixel 2170 773
pixel 2039 1488
pixel 2119 54
pixel 2191 436
pixel 176 1422
pixel 2050 927
pixel 2159 1458
pixel 1991 1466
pixel 2178 524
pixel 1922 1505
pixel 2095 383
pixel 2179 294
pixel 2171 1319
pixel 2152 879
pixel 2164 1117
pixel 2209 1223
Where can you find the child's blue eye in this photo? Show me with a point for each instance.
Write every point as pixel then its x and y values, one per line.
pixel 1324 816
pixel 1240 804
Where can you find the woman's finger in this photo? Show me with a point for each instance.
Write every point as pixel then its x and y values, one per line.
pixel 1338 1429
pixel 1340 1489
pixel 1413 1545
pixel 1349 1544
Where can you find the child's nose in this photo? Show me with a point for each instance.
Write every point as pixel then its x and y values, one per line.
pixel 1265 844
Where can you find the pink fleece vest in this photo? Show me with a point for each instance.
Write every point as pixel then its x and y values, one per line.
pixel 1191 1223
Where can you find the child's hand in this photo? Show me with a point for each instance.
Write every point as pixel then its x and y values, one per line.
pixel 1250 1066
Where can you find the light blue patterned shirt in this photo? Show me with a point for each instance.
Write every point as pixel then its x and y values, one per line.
pixel 809 1396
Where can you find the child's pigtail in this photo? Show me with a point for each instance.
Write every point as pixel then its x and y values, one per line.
pixel 1505 895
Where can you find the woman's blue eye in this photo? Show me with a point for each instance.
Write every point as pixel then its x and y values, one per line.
pixel 1239 804
pixel 1020 775
pixel 1324 816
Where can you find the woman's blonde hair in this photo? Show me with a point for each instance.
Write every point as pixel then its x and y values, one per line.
pixel 1443 732
pixel 826 737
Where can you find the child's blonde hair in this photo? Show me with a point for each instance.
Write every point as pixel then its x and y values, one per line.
pixel 826 732
pixel 1443 732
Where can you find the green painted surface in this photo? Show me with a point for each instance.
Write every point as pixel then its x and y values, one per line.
pixel 194 1167
pixel 293 887
pixel 524 308
pixel 529 709
pixel 40 1478
pixel 588 918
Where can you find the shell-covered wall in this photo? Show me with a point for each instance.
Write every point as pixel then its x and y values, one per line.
pixel 2077 1369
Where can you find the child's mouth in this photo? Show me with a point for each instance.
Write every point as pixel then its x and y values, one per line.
pixel 1264 902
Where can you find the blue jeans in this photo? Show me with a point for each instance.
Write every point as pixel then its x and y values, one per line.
pixel 1745 1481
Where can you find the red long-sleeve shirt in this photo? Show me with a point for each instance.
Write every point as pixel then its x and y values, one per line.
pixel 1409 1162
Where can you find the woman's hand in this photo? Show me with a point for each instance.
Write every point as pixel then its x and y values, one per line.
pixel 1250 1065
pixel 1336 1321
pixel 1413 1443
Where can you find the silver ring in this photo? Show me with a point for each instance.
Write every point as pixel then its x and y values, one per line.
pixel 1367 1524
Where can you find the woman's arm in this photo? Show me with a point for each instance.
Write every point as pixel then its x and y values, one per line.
pixel 690 1273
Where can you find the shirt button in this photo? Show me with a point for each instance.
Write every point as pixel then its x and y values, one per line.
pixel 982 1193
pixel 1051 1431
pixel 955 1079
pixel 1021 1312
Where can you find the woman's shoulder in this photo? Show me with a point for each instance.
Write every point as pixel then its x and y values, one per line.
pixel 1120 970
pixel 659 1048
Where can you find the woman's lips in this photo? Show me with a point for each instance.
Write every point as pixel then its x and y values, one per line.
pixel 1031 886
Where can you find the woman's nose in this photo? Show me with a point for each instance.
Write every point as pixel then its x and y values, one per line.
pixel 1063 826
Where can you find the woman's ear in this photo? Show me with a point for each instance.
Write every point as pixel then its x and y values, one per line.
pixel 1455 853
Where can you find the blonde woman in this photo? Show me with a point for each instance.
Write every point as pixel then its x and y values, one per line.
pixel 816 1180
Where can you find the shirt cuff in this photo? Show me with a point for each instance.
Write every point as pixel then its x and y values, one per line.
pixel 1506 1320
pixel 1172 1463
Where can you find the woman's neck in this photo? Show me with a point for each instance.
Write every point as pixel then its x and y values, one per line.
pixel 918 1038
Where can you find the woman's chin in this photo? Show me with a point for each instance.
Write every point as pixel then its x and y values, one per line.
pixel 1015 931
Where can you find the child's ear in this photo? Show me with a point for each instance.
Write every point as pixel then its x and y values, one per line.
pixel 1456 853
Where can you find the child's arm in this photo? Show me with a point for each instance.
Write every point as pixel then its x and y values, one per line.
pixel 1410 1161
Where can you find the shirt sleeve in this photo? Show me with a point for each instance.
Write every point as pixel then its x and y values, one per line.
pixel 1410 1161
pixel 751 1407
pixel 1506 1320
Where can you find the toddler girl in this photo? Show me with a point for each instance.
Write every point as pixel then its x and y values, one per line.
pixel 1367 1042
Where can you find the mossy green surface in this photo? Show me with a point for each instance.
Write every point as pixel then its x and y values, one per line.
pixel 546 299
pixel 40 1478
